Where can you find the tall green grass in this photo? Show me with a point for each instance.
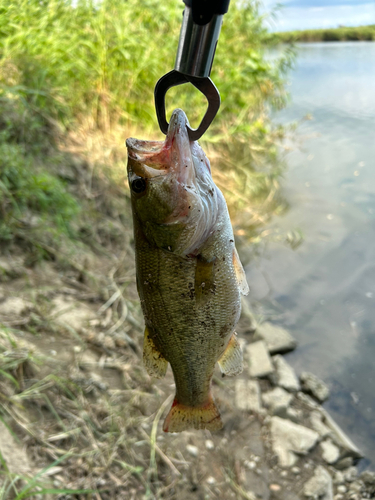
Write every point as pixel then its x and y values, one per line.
pixel 100 60
pixel 73 65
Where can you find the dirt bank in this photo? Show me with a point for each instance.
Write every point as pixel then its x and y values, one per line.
pixel 83 419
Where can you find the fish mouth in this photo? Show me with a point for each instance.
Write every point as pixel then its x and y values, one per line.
pixel 154 158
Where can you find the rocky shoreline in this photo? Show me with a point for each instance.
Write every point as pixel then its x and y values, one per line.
pixel 59 335
pixel 304 442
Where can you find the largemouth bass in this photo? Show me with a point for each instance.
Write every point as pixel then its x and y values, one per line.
pixel 189 276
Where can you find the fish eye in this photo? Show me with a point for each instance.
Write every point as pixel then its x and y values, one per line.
pixel 138 185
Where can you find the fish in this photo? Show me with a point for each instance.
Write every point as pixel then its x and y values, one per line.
pixel 188 272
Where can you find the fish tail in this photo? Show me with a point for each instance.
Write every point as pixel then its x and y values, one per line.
pixel 182 417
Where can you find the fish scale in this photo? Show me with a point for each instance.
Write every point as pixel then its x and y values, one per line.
pixel 189 277
pixel 167 303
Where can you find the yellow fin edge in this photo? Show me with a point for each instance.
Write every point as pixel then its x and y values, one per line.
pixel 240 273
pixel 231 361
pixel 154 362
pixel 181 418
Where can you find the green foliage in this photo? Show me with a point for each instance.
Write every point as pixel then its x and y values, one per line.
pixel 32 487
pixel 343 33
pixel 93 65
pixel 23 187
pixel 73 59
pixel 27 189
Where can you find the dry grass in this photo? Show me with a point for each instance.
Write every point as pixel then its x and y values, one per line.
pixel 74 393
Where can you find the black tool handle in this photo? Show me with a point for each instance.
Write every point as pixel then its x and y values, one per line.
pixel 204 10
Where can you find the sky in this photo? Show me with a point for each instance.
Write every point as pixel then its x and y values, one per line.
pixel 305 14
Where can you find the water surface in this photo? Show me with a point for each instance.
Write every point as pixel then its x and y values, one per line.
pixel 324 292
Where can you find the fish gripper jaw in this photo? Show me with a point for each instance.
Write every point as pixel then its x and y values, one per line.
pixel 204 85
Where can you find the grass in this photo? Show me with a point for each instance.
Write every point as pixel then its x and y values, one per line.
pixel 87 439
pixel 97 61
pixel 77 79
pixel 90 77
pixel 33 487
pixel 340 34
pixel 80 418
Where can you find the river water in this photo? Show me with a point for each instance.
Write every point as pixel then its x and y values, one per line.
pixel 324 291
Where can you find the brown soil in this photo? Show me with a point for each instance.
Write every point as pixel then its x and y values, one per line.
pixel 82 419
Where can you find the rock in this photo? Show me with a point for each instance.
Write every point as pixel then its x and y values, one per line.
pixel 193 450
pixel 74 314
pixel 209 444
pixel 289 438
pixel 368 478
pixel 338 478
pixel 247 317
pixel 275 487
pixel 351 474
pixel 296 470
pixel 11 269
pixel 316 420
pixel 12 453
pixel 285 375
pixel 14 306
pixel 339 437
pixel 313 385
pixel 250 464
pixel 260 363
pixel 319 486
pixel 247 395
pixel 277 401
pixel 277 339
pixel 341 489
pixel 344 463
pixel 330 452
pixel 356 486
pixel 294 414
pixel 308 401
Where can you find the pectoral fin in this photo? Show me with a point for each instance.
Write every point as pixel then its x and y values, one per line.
pixel 240 274
pixel 204 280
pixel 230 362
pixel 155 363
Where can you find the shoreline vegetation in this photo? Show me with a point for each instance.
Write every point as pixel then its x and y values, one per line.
pixel 90 78
pixel 340 34
pixel 76 79
pixel 79 415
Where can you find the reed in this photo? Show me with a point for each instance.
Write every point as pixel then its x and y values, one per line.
pixel 340 34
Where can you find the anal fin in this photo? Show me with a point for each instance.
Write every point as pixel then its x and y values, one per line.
pixel 182 417
pixel 155 363
pixel 240 273
pixel 231 361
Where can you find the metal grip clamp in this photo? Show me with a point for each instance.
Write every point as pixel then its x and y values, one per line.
pixel 199 35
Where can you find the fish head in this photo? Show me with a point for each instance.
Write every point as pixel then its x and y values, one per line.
pixel 174 198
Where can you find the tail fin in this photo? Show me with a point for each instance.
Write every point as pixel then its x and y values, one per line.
pixel 181 417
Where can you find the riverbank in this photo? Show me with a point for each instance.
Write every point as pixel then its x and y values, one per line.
pixel 341 34
pixel 80 415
